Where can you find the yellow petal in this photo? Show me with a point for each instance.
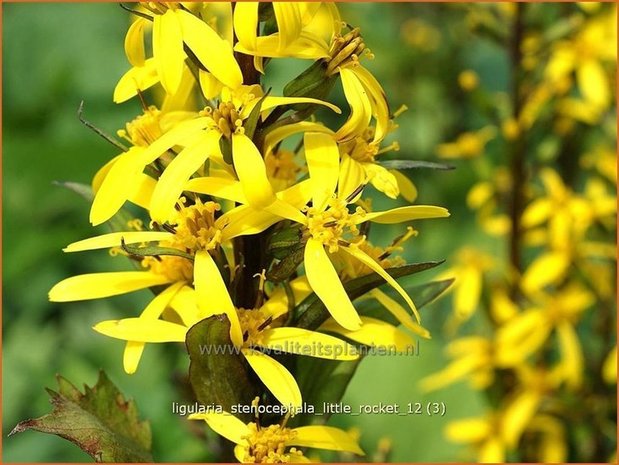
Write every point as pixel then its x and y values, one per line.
pixel 184 96
pixel 100 175
pixel 326 284
pixel 213 296
pixel 113 192
pixel 277 304
pixel 142 330
pixel 372 264
pixel 156 306
pixel 399 312
pixel 307 46
pixel 275 377
pixel 211 50
pixel 323 162
pixel 380 107
pixel 172 182
pixel 281 133
pixel 549 268
pixel 571 354
pixel 134 42
pixel 491 451
pixel 518 414
pixel 325 437
pixel 98 285
pixel 468 291
pixel 224 188
pixel 609 370
pixel 142 190
pixel 246 23
pixel 593 83
pixel 374 332
pixel 382 179
pixel 468 430
pixel 537 212
pixel 289 23
pixel 406 186
pixel 209 84
pixel 168 50
pixel 252 171
pixel 185 304
pixel 226 425
pixel 114 240
pixel 132 355
pixel 403 214
pixel 137 78
pixel 305 342
pixel 352 175
pixel 181 132
pixel 360 109
pixel 271 102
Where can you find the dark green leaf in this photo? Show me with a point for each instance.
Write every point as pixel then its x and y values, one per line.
pixel 218 373
pixel 312 312
pixel 314 83
pixel 414 164
pixel 252 120
pixel 100 421
pixel 283 269
pixel 225 146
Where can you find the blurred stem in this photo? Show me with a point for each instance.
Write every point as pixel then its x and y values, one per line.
pixel 518 147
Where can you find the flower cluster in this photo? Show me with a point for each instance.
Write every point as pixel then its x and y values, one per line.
pixel 250 203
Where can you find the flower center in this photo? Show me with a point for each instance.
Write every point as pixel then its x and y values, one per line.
pixel 268 445
pixel 195 227
pixel 282 168
pixel 253 322
pixel 143 130
pixel 225 118
pixel 175 268
pixel 346 51
pixel 333 224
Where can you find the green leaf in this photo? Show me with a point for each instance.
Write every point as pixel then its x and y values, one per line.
pixel 153 250
pixel 314 83
pixel 283 269
pixel 414 164
pixel 252 120
pixel 312 312
pixel 218 372
pixel 282 241
pixel 100 421
pixel 225 145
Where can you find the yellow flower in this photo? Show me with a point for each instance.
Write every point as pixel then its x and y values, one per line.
pixel 585 54
pixel 276 443
pixel 468 144
pixel 173 28
pixel 468 80
pixel 329 224
pixel 250 329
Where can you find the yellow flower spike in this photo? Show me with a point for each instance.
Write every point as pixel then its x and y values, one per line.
pixel 275 377
pixel 326 284
pixel 226 425
pixel 106 241
pixel 304 342
pixel 323 161
pixel 134 42
pixel 98 285
pixel 168 50
pixel 373 332
pixel 213 297
pixel 360 109
pixel 170 184
pixel 212 51
pixel 136 79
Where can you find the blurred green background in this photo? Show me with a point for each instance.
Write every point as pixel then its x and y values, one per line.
pixel 56 55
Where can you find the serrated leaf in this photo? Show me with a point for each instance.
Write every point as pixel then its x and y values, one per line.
pixel 100 421
pixel 312 312
pixel 414 164
pixel 218 372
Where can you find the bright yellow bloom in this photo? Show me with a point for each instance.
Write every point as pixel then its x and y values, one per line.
pixel 173 28
pixel 276 443
pixel 468 144
pixel 250 329
pixel 329 226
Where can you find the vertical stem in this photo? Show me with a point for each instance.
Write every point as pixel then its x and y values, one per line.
pixel 518 147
